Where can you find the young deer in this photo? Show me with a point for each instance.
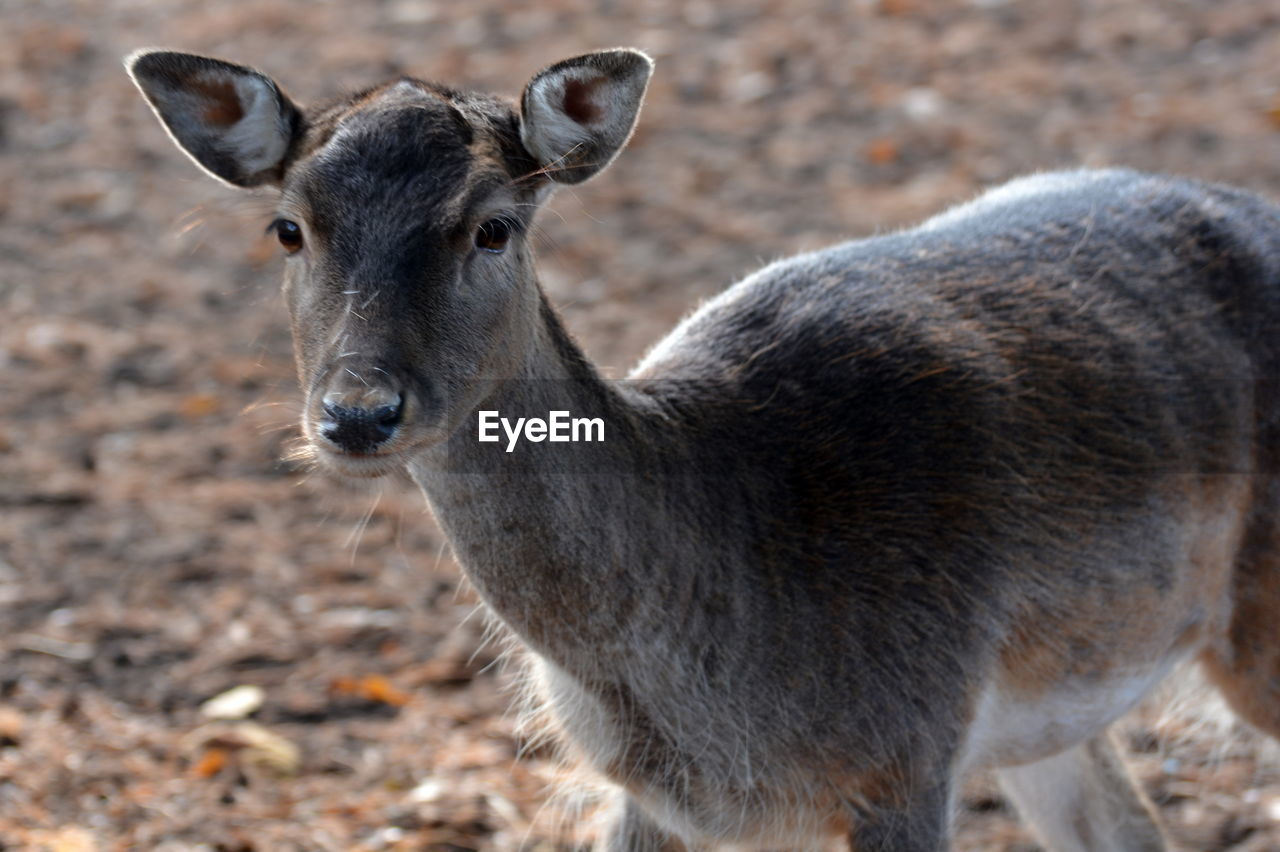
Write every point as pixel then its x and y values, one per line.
pixel 951 498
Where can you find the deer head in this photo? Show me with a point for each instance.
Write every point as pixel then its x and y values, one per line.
pixel 404 211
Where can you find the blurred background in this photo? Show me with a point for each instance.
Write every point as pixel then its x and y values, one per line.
pixel 155 550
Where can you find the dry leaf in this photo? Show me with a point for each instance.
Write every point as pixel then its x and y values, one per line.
pixel 345 685
pixel 210 763
pixel 250 743
pixel 428 790
pixel 883 151
pixel 371 688
pixel 199 405
pixel 269 750
pixel 236 703
pixel 378 688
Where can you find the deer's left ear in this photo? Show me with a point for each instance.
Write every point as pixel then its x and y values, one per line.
pixel 233 121
pixel 577 114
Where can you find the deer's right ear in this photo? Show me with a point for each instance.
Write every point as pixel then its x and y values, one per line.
pixel 576 115
pixel 233 121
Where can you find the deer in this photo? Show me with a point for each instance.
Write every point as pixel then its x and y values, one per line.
pixel 947 499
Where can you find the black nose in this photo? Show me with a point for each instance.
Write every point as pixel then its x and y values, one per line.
pixel 360 430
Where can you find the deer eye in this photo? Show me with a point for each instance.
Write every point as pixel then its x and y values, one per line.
pixel 493 236
pixel 289 234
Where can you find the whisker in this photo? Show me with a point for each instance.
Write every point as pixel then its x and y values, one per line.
pixel 543 207
pixel 267 429
pixel 553 167
pixel 263 403
pixel 357 533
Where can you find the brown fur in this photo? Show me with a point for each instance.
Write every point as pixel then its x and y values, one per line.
pixel 577 100
pixel 224 104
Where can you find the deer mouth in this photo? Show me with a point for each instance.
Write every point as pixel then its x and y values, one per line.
pixel 354 465
pixel 363 461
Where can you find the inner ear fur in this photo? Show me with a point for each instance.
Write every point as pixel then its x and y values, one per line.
pixel 577 114
pixel 235 122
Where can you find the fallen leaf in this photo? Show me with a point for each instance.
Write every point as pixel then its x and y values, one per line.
pixel 236 703
pixel 268 749
pixel 428 790
pixel 371 688
pixel 378 688
pixel 883 151
pixel 250 743
pixel 210 763
pixel 199 405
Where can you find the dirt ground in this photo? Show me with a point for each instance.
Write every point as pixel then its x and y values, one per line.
pixel 155 550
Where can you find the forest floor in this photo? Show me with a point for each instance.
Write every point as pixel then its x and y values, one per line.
pixel 155 549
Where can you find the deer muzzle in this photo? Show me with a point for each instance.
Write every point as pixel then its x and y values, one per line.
pixel 359 412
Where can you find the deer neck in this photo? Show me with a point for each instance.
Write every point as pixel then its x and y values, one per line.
pixel 558 538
